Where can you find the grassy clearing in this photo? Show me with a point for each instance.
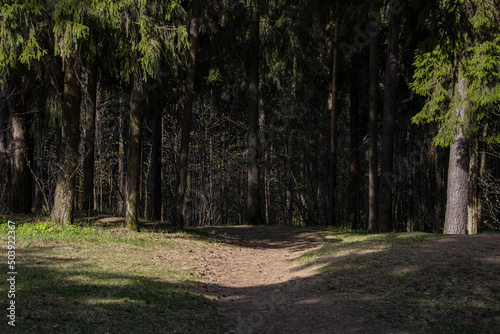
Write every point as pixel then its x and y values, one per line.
pixel 83 279
pixel 87 279
pixel 418 283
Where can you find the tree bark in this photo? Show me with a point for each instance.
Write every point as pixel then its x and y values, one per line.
pixel 180 218
pixel 387 154
pixel 458 173
pixel 62 211
pixel 332 173
pixel 289 183
pixel 482 170
pixel 373 134
pixel 21 185
pixel 497 177
pixel 134 162
pixel 254 214
pixel 473 200
pixel 440 167
pixel 262 139
pixel 354 147
pixel 5 156
pixel 121 157
pixel 155 211
pixel 38 196
pixel 89 143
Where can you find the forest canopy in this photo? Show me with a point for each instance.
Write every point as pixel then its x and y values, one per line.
pixel 377 115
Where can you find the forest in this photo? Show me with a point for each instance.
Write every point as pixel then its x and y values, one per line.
pixel 375 115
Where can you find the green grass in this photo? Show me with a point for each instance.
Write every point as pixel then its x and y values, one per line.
pixel 105 279
pixel 82 279
pixel 83 232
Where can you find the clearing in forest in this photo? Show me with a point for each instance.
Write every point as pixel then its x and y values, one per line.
pixel 245 279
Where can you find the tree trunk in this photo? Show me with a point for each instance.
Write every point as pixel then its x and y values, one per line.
pixel 497 177
pixel 5 156
pixel 373 134
pixel 262 139
pixel 21 185
pixel 473 201
pixel 143 181
pixel 387 154
pixel 88 160
pixel 354 147
pixel 482 170
pixel 121 158
pixel 134 162
pixel 458 173
pixel 254 214
pixel 62 211
pixel 289 184
pixel 441 168
pixel 188 115
pixel 38 167
pixel 332 173
pixel 155 211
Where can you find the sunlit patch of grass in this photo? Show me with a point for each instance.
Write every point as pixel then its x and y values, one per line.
pixel 304 259
pixel 340 243
pixel 48 232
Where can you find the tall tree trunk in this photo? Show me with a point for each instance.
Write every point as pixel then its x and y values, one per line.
pixel 155 211
pixel 254 214
pixel 332 173
pixel 262 139
pixel 473 202
pixel 354 147
pixel 458 173
pixel 440 167
pixel 482 170
pixel 62 211
pixel 188 115
pixel 143 181
pixel 134 162
pixel 5 156
pixel 373 134
pixel 387 154
pixel 121 157
pixel 21 185
pixel 89 143
pixel 289 184
pixel 38 195
pixel 497 177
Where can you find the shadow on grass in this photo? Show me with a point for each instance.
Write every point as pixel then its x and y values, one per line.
pixel 69 295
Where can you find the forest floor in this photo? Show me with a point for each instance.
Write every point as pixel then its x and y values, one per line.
pixel 289 280
pixel 98 277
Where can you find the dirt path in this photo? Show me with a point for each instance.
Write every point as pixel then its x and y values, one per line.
pixel 260 287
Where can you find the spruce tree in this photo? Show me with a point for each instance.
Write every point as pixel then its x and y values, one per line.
pixel 458 71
